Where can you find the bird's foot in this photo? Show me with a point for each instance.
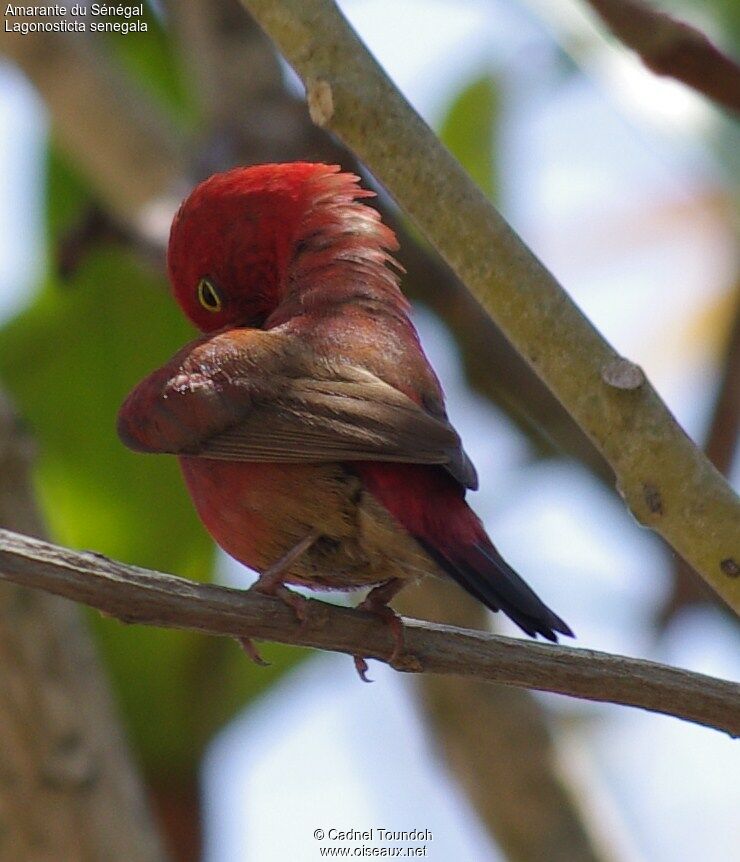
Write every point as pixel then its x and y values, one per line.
pixel 376 602
pixel 394 623
pixel 304 609
pixel 272 581
pixel 300 604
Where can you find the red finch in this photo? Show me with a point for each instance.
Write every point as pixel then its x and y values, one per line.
pixel 310 427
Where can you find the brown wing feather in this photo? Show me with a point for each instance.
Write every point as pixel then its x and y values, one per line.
pixel 248 395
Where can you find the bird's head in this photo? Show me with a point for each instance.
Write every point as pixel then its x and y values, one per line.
pixel 242 239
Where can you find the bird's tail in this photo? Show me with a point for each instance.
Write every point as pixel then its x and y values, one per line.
pixel 431 506
pixel 483 572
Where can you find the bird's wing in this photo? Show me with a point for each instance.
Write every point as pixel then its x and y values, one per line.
pixel 249 395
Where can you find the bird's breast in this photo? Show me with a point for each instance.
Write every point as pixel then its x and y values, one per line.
pixel 257 512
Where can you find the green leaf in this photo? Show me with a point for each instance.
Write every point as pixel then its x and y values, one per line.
pixel 469 131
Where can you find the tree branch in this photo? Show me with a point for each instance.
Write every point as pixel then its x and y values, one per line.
pixel 673 48
pixel 666 481
pixel 721 447
pixel 136 595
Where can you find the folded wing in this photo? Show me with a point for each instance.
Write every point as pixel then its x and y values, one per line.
pixel 249 395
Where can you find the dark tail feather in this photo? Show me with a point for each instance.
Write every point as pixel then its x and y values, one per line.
pixel 483 572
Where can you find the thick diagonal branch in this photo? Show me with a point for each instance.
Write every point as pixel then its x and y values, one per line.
pixel 666 481
pixel 137 595
pixel 721 447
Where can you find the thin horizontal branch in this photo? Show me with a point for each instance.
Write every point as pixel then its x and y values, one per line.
pixel 136 595
pixel 673 48
pixel 668 484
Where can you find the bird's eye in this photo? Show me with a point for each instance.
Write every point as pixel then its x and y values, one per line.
pixel 208 295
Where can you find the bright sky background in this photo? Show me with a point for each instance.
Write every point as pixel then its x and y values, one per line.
pixel 631 218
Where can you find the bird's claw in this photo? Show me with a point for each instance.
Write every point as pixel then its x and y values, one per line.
pixel 399 659
pixel 247 644
pixel 361 668
pixel 393 621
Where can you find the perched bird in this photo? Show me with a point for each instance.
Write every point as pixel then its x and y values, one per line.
pixel 310 427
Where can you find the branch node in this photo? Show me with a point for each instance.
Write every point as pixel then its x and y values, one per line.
pixel 653 498
pixel 320 100
pixel 622 374
pixel 730 567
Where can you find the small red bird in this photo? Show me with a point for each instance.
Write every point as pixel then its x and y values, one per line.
pixel 311 429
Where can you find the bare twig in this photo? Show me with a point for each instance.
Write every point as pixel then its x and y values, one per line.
pixel 673 48
pixel 668 484
pixel 136 595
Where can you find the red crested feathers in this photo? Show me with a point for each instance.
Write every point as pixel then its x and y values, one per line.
pixel 271 233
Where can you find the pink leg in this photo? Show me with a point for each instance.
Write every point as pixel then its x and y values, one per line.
pixel 273 576
pixel 376 602
pixel 271 583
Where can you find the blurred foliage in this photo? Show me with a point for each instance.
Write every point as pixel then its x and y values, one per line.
pixel 153 61
pixel 469 130
pixel 69 359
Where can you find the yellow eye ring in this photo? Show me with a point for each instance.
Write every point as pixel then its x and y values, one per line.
pixel 208 295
